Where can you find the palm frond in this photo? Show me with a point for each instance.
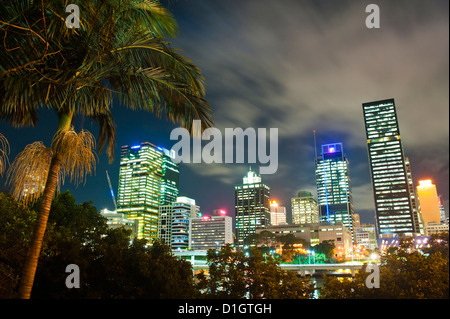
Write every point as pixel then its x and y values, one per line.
pixel 4 152
pixel 118 53
pixel 77 152
pixel 28 172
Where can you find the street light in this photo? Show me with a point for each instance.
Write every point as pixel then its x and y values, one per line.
pixel 311 252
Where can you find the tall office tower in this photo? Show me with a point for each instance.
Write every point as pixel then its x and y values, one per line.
pixel 387 167
pixel 184 209
pixel 334 192
pixel 418 223
pixel 252 206
pixel 147 179
pixel 428 202
pixel 277 213
pixel 211 232
pixel 304 208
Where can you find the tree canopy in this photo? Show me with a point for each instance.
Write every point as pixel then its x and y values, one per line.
pixel 110 266
pixel 402 275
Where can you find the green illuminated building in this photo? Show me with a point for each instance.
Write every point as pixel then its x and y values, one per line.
pixel 148 178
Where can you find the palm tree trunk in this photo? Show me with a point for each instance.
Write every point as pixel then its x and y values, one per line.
pixel 34 251
pixel 29 270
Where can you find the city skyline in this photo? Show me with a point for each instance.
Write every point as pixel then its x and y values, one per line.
pixel 310 71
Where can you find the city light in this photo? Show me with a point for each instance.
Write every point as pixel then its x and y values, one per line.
pixel 425 183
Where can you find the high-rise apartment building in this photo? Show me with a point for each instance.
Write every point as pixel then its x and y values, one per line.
pixel 148 178
pixel 428 202
pixel 334 192
pixel 251 205
pixel 388 171
pixel 184 209
pixel 277 213
pixel 174 222
pixel 304 208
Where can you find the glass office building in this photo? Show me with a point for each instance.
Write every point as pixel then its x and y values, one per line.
pixel 304 208
pixel 391 191
pixel 251 206
pixel 334 194
pixel 148 178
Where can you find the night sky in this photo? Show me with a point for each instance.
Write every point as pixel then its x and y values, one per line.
pixel 297 66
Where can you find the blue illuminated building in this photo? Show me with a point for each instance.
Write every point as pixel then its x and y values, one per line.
pixel 334 194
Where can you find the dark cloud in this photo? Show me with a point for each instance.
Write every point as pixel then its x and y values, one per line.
pixel 304 65
pixel 301 65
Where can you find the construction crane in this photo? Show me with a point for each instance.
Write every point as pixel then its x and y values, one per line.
pixel 112 192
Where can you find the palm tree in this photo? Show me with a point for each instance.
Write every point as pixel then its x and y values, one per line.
pixel 118 53
pixel 4 150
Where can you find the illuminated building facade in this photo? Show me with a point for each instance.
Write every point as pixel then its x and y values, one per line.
pixel 211 232
pixel 417 216
pixel 148 178
pixel 277 213
pixel 366 236
pixel 391 191
pixel 444 219
pixel 334 193
pixel 428 202
pixel 184 209
pixel 116 220
pixel 304 208
pixel 174 222
pixel 165 223
pixel 316 233
pixel 251 206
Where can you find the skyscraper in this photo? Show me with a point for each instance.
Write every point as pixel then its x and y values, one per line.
pixel 147 179
pixel 184 209
pixel 334 192
pixel 174 222
pixel 252 206
pixel 428 202
pixel 277 213
pixel 394 214
pixel 417 216
pixel 304 208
